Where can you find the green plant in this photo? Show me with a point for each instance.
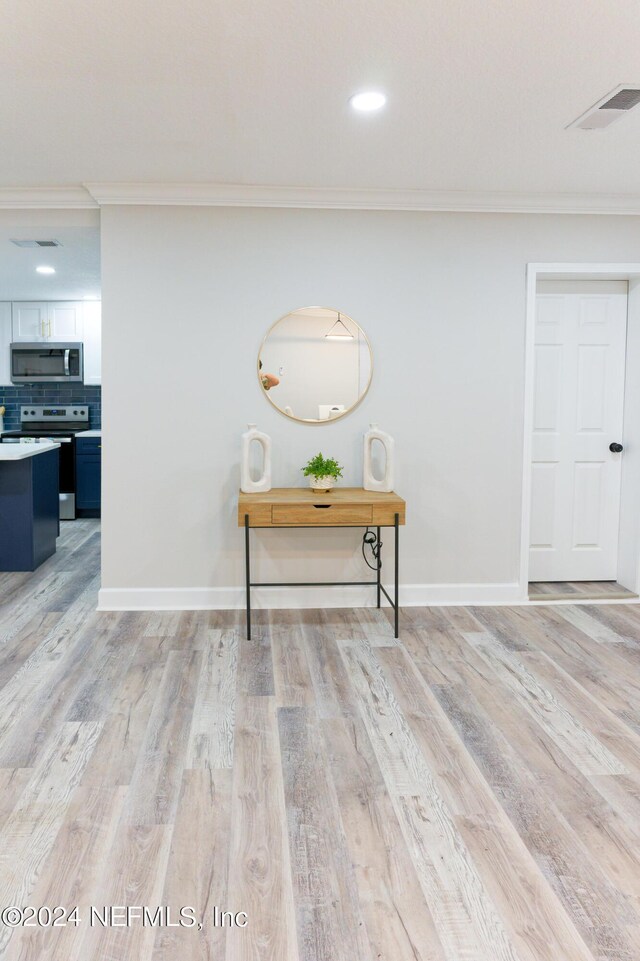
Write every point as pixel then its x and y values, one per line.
pixel 319 467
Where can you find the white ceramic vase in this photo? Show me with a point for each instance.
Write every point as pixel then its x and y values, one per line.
pixel 322 485
pixel 370 482
pixel 247 484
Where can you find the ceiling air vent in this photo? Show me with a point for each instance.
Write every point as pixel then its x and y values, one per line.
pixel 37 243
pixel 616 103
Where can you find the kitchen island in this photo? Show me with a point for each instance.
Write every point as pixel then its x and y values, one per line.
pixel 29 504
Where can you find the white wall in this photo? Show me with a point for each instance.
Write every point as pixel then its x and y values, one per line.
pixel 188 294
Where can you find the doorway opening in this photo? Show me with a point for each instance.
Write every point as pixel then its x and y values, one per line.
pixel 581 470
pixel 51 398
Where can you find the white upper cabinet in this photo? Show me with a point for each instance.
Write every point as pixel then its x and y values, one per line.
pixel 64 321
pixel 54 321
pixel 30 321
pixel 5 340
pixel 92 339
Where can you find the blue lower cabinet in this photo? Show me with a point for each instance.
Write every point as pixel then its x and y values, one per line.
pixel 88 485
pixel 29 508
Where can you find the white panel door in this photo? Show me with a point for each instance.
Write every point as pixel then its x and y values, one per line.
pixel 578 412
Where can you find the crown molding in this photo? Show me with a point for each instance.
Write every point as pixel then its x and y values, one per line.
pixel 92 195
pixel 46 197
pixel 241 195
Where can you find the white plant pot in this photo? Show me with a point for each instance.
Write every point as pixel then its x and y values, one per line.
pixel 322 485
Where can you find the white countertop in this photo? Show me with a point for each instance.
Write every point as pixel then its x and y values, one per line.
pixel 89 433
pixel 22 451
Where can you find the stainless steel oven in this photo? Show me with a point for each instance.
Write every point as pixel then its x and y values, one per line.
pixel 46 363
pixel 59 424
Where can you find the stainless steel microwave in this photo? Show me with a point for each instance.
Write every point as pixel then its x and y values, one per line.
pixel 46 363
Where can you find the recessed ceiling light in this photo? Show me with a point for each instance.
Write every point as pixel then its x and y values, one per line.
pixel 368 101
pixel 45 270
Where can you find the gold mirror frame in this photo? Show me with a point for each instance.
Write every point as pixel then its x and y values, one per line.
pixel 303 420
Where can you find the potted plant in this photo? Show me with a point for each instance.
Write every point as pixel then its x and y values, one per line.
pixel 323 474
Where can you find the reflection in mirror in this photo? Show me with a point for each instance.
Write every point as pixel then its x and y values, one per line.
pixel 315 364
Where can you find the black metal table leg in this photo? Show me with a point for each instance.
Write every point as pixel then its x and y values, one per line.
pixel 247 561
pixel 397 539
pixel 380 588
pixel 379 564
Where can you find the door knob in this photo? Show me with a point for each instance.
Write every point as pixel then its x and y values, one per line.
pixel 616 448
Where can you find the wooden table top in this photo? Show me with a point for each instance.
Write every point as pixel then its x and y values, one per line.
pixel 302 507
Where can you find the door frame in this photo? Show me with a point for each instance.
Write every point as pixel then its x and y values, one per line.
pixel 629 538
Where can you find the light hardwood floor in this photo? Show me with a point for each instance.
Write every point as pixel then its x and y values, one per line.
pixel 470 793
pixel 578 590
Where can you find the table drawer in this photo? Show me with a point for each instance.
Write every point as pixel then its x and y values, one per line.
pixel 321 514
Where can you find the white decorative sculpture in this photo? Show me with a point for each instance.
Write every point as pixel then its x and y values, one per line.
pixel 247 484
pixel 370 481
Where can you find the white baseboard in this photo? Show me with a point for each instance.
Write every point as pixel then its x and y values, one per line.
pixel 233 598
pixel 446 595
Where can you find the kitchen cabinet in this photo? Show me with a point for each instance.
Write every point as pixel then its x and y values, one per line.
pixel 56 321
pixel 92 340
pixel 28 505
pixel 50 322
pixel 88 479
pixel 5 340
pixel 30 321
pixel 65 321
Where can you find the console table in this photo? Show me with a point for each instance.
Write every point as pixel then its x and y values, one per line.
pixel 342 507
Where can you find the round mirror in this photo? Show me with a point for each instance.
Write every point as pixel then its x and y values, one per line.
pixel 315 364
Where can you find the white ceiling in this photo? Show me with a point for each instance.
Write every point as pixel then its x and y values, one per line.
pixel 77 261
pixel 255 92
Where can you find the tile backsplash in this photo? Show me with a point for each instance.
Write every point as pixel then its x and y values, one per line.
pixel 58 395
